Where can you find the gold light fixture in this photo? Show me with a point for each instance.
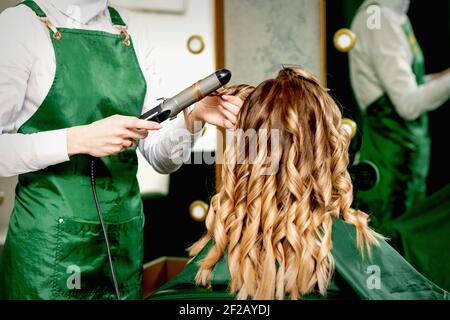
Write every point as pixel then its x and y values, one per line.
pixel 196 44
pixel 344 40
pixel 349 126
pixel 198 210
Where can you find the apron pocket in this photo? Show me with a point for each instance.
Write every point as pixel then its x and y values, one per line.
pixel 82 270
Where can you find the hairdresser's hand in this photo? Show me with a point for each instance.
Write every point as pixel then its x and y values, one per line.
pixel 220 111
pixel 439 75
pixel 108 136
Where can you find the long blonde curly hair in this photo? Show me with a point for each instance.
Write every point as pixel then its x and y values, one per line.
pixel 277 228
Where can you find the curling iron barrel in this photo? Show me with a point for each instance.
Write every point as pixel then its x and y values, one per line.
pixel 169 108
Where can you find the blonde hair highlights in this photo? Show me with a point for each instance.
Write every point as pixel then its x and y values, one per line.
pixel 277 228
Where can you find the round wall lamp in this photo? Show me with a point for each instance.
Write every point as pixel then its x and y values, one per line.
pixel 196 44
pixel 198 210
pixel 349 126
pixel 344 40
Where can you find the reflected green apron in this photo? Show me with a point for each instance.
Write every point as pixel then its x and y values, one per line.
pixel 384 276
pixel 400 149
pixel 55 247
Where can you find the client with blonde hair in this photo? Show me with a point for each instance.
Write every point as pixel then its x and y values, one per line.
pixel 281 225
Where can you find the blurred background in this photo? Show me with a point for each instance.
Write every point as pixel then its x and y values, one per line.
pixel 432 28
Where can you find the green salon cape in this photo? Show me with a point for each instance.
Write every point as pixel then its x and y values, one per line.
pixel 55 247
pixel 384 276
pixel 425 235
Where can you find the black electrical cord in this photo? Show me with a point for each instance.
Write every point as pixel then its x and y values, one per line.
pixel 100 217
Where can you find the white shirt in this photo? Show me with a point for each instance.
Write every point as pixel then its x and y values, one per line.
pixel 27 70
pixel 381 63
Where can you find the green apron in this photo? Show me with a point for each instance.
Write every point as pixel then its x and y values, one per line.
pixel 55 247
pixel 384 276
pixel 400 149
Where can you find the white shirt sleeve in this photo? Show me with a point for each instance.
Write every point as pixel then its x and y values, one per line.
pixel 392 62
pixel 165 149
pixel 21 153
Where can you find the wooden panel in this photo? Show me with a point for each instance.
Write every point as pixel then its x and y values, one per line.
pixel 159 271
pixel 323 40
pixel 220 63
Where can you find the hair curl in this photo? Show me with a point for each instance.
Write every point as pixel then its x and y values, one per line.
pixel 277 228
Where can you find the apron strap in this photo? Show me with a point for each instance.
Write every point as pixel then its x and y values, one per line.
pixel 43 17
pixel 116 19
pixel 119 24
pixel 35 7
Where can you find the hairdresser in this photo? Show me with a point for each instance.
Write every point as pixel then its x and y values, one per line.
pixel 388 79
pixel 74 77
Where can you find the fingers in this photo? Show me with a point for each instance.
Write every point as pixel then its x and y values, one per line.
pixel 234 109
pixel 144 124
pixel 233 100
pixel 128 143
pixel 136 123
pixel 122 145
pixel 230 107
pixel 228 115
pixel 227 124
pixel 134 133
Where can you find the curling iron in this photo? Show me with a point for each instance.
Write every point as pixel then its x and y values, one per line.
pixel 169 108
